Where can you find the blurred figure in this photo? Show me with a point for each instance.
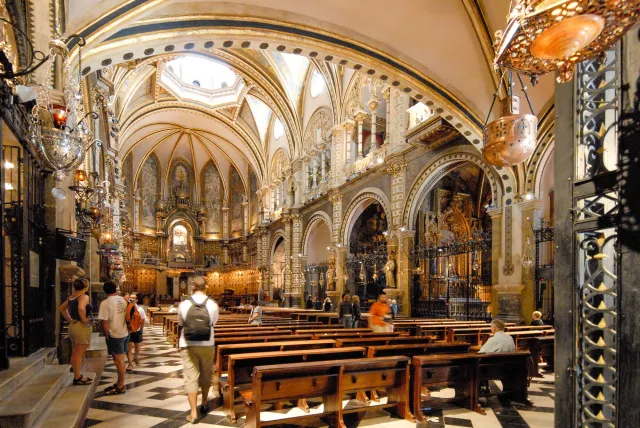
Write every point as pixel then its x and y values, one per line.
pixel 345 311
pixel 327 305
pixel 356 310
pixel 378 313
pixel 309 303
pixel 394 309
pixel 256 313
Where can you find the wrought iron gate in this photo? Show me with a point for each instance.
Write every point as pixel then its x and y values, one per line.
pixel 454 280
pixel 23 222
pixel 545 253
pixel 598 244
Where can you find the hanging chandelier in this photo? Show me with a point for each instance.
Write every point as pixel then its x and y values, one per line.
pixel 59 135
pixel 549 35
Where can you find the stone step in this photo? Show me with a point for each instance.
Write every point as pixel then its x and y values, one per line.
pixel 70 406
pixel 27 403
pixel 97 348
pixel 22 369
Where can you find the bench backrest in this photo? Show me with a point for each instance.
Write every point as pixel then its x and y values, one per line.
pixel 252 333
pixel 410 350
pixel 374 341
pixel 224 351
pixel 240 366
pixel 335 330
pixel 256 339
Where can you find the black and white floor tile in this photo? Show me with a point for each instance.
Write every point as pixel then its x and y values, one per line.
pixel 155 398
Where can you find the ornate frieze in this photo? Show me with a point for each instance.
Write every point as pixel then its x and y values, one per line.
pixel 508 267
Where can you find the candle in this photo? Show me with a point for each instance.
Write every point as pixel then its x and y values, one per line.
pixel 60 114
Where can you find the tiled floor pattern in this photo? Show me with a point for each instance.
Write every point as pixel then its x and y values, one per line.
pixel 154 398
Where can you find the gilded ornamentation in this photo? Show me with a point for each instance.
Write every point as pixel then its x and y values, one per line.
pixel 396 168
pixel 508 268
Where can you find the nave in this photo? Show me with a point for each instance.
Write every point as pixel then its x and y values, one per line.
pixel 155 398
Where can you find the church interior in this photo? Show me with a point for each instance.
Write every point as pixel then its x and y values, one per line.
pixel 464 161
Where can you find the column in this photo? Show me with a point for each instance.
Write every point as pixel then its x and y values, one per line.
pixel 225 222
pixel 373 108
pixel 297 168
pixel 403 264
pixel 337 134
pixel 291 191
pixel 386 93
pixel 322 162
pixel 397 171
pixel 137 200
pixel 296 265
pixel 335 197
pixel 314 170
pixel 531 210
pixel 360 119
pixel 245 218
pixel 349 126
pixel 287 257
pixel 398 120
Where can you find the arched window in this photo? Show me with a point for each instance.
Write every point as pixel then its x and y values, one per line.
pixel 317 83
pixel 278 129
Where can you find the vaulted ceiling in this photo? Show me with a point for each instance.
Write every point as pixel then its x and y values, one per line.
pixel 437 51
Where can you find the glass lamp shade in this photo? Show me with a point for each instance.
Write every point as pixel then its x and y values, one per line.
pixel 59 113
pixel 510 140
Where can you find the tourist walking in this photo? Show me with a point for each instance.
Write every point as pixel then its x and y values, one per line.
pixel 345 311
pixel 378 312
pixel 356 310
pixel 256 313
pixel 114 325
pixel 135 333
pixel 77 311
pixel 196 317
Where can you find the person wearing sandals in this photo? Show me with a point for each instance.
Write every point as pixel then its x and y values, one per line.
pixel 196 346
pixel 114 325
pixel 77 311
pixel 135 337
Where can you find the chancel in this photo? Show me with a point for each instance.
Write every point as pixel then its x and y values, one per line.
pixel 320 213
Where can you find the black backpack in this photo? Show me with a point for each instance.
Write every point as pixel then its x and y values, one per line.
pixel 197 324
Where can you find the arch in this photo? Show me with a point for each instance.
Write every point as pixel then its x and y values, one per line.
pixel 279 163
pixel 275 240
pixel 438 168
pixel 362 200
pixel 107 44
pixel 317 217
pixel 321 118
pixel 178 215
pixel 538 162
pixel 191 228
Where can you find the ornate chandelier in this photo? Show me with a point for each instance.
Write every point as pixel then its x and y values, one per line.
pixel 547 35
pixel 59 135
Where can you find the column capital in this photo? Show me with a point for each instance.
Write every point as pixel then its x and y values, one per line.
pixel 531 205
pixel 495 212
pixel 360 116
pixel 386 93
pixel 373 105
pixel 335 196
pixel 398 164
pixel 349 125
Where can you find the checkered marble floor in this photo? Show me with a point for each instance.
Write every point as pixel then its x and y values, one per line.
pixel 154 398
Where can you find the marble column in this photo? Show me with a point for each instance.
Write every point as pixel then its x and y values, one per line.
pixel 315 170
pixel 386 93
pixel 349 126
pixel 322 163
pixel 245 218
pixel 337 138
pixel 360 117
pixel 225 222
pixel 373 108
pixel 529 210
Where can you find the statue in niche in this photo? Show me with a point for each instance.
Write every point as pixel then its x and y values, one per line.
pixel 432 235
pixel 331 272
pixel 390 270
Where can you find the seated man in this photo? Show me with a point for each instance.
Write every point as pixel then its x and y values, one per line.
pixel 500 341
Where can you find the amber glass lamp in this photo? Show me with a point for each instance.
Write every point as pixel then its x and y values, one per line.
pixel 549 35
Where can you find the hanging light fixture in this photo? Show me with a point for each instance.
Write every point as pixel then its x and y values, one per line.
pixel 512 138
pixel 59 134
pixel 548 35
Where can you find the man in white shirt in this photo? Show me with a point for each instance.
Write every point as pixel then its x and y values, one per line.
pixel 135 337
pixel 197 355
pixel 114 325
pixel 500 341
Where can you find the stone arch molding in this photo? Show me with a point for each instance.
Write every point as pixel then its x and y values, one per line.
pixel 276 235
pixel 321 118
pixel 437 169
pixel 317 217
pixel 357 205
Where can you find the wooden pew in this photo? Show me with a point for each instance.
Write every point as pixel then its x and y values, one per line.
pixel 541 347
pixel 529 327
pixel 458 371
pixel 224 351
pixel 374 341
pixel 310 326
pixel 508 367
pixel 467 334
pixel 412 349
pixel 251 332
pixel 240 368
pixel 256 339
pixel 347 335
pixel 334 330
pixel 330 381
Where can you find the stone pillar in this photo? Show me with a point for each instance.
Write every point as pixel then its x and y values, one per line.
pixel 225 222
pixel 349 126
pixel 322 163
pixel 291 191
pixel 509 299
pixel 314 170
pixel 399 120
pixel 286 220
pixel 245 218
pixel 386 93
pixel 225 253
pixel 397 169
pixel 341 270
pixel 337 143
pixel 373 108
pixel 297 280
pixel 137 200
pixel 360 120
pixel 529 210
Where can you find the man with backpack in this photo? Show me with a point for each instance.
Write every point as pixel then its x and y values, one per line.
pixel 136 318
pixel 196 316
pixel 112 313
